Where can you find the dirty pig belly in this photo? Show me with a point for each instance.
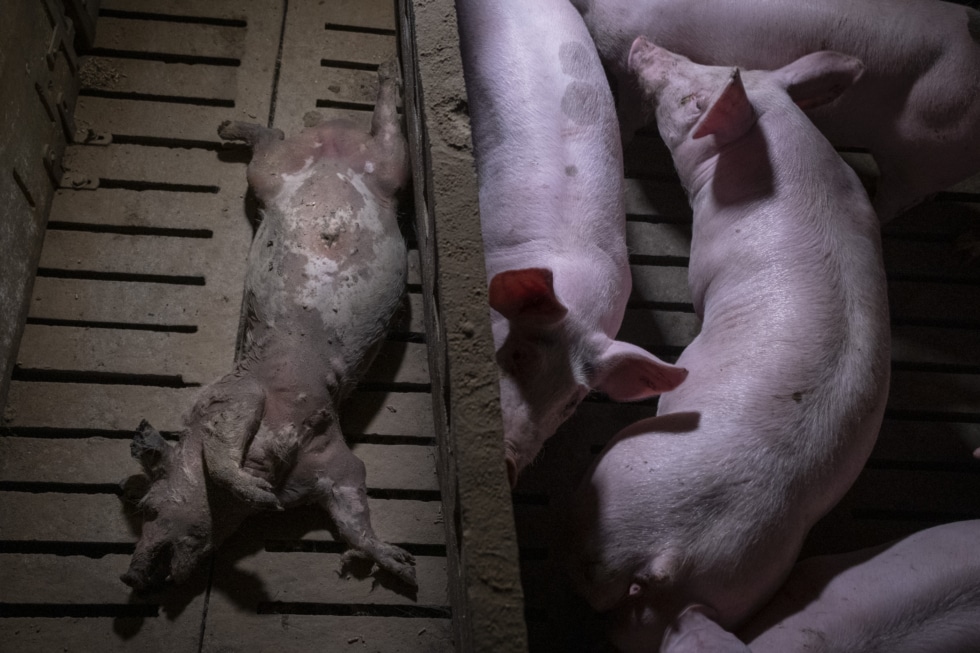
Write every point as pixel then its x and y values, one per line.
pixel 339 259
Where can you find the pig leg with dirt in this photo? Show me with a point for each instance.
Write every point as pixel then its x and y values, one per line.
pixel 697 515
pixel 550 170
pixel 326 274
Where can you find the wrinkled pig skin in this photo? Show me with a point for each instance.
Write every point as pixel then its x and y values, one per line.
pixel 705 506
pixel 550 171
pixel 920 594
pixel 326 273
pixel 917 107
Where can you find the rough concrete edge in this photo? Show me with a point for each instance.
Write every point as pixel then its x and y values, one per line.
pixel 484 571
pixel 18 267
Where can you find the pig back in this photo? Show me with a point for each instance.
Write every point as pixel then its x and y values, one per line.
pixel 545 134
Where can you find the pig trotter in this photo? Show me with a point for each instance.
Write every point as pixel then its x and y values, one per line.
pixel 227 427
pixel 349 510
pixel 384 121
pixel 389 557
pixel 249 132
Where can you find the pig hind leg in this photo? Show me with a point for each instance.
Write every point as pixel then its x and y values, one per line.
pixel 386 130
pixel 384 121
pixel 227 419
pixel 343 494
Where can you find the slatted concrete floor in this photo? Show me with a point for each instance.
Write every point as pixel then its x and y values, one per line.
pixel 921 472
pixel 136 306
pixel 137 303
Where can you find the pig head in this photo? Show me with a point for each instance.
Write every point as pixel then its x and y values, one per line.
pixel 185 517
pixel 550 171
pixel 689 521
pixel 916 108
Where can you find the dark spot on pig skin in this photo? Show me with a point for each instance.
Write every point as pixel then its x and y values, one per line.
pixel 582 103
pixel 571 171
pixel 576 59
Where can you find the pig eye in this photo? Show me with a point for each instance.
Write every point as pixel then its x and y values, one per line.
pixel 149 510
pixel 569 408
pixel 514 360
pixel 687 98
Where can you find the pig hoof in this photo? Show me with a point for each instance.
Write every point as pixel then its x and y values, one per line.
pixel 389 70
pixel 397 561
pixel 257 492
pixel 392 559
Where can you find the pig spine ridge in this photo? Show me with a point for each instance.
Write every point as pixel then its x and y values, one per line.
pixel 326 274
pixel 706 505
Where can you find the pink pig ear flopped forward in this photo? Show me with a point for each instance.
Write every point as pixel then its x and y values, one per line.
pixel 730 115
pixel 819 78
pixel 626 372
pixel 526 295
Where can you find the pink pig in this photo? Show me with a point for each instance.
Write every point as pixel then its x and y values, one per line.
pixel 916 108
pixel 551 206
pixel 701 511
pixel 919 594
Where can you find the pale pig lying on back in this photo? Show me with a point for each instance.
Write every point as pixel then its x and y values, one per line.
pixel 704 507
pixel 554 225
pixel 326 274
pixel 916 108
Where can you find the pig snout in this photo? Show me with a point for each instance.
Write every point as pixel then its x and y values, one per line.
pixel 168 552
pixel 695 630
pixel 642 52
pixel 149 570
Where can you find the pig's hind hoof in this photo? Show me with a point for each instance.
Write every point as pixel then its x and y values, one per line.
pixel 394 560
pixel 397 561
pixel 390 69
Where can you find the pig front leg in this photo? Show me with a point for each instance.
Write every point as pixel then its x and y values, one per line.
pixel 342 492
pixel 226 420
pixel 253 134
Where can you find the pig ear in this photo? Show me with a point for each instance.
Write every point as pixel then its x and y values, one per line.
pixel 527 295
pixel 153 452
pixel 730 115
pixel 627 373
pixel 819 77
pixel 694 632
